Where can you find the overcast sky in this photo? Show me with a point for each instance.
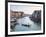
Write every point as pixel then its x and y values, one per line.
pixel 27 9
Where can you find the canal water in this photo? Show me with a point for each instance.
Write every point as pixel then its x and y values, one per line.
pixel 33 26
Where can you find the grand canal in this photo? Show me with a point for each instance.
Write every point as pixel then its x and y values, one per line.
pixel 33 26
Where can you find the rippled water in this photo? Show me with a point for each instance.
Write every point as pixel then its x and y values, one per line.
pixel 33 26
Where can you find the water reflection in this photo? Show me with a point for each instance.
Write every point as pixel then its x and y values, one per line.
pixel 25 24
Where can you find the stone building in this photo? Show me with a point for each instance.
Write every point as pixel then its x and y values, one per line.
pixel 36 16
pixel 16 14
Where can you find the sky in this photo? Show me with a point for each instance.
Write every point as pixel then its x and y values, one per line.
pixel 27 9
